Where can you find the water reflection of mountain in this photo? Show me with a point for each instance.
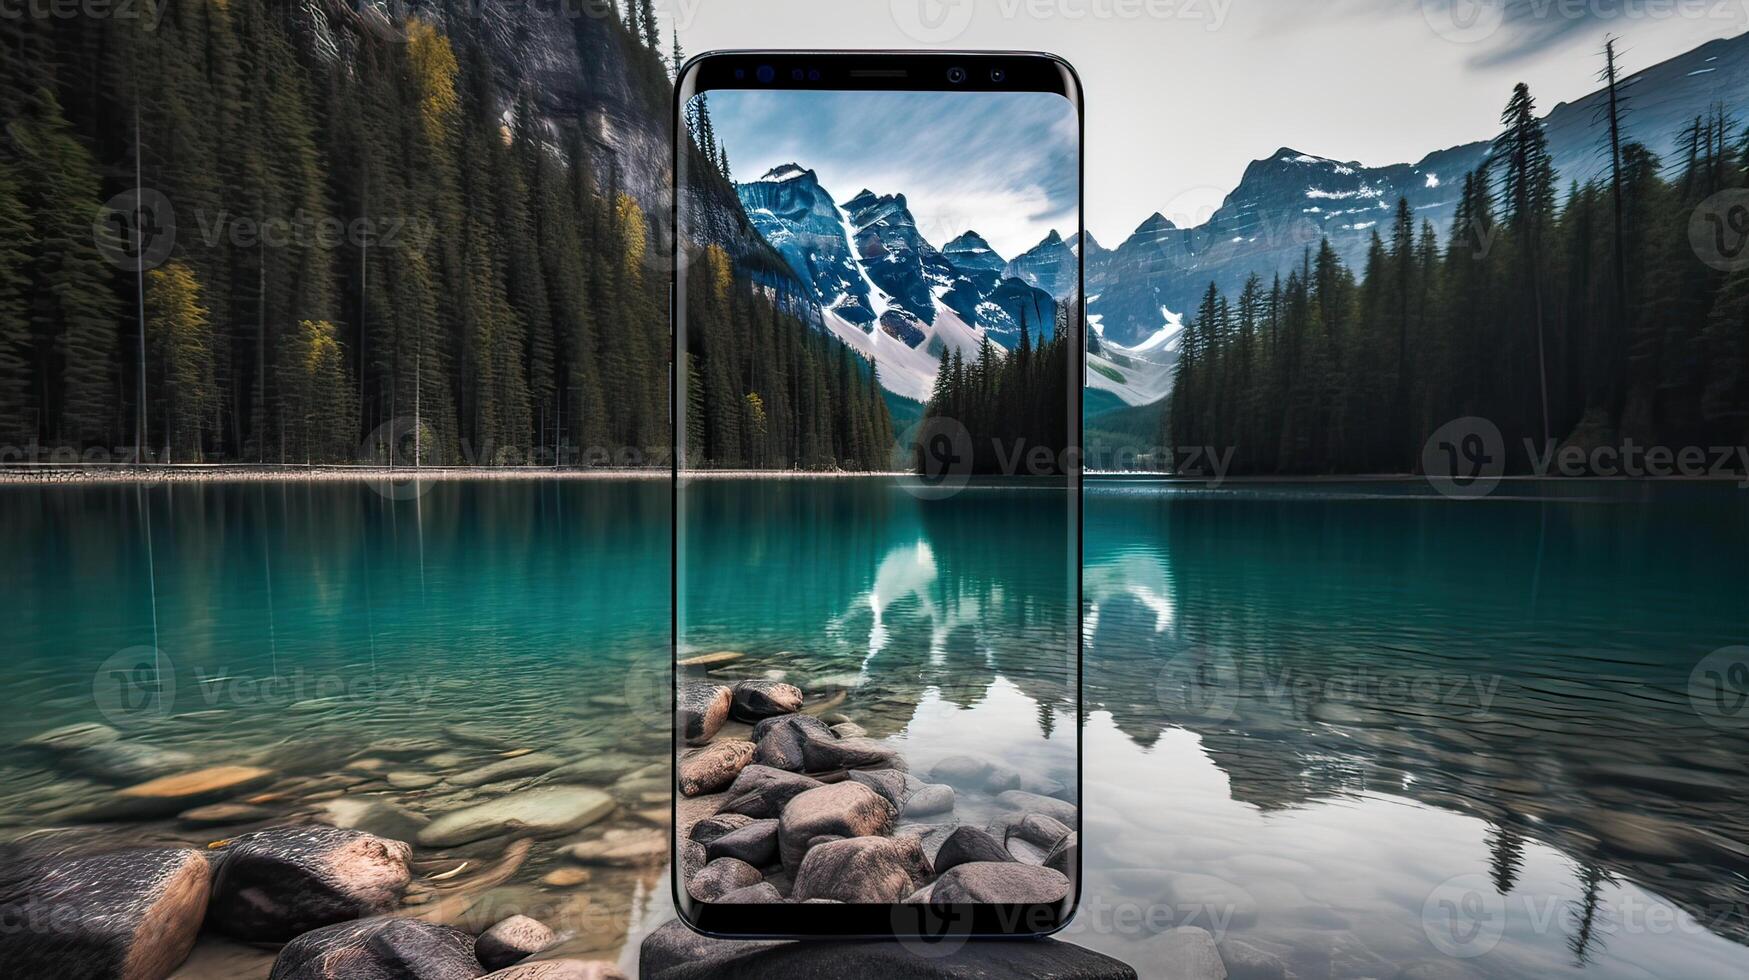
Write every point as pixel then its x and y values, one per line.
pixel 981 592
pixel 886 593
pixel 1526 663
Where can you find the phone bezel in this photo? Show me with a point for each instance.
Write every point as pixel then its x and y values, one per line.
pixel 936 928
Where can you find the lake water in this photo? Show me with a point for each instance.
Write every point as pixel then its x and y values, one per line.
pixel 1360 728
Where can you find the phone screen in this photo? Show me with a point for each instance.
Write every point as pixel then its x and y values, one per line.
pixel 877 377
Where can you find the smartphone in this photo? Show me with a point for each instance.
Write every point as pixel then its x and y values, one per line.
pixel 878 355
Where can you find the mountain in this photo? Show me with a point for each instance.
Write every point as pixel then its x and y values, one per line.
pixel 1290 199
pixel 1050 265
pixel 798 218
pixel 883 288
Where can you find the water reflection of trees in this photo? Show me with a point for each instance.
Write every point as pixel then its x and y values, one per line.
pixel 1479 663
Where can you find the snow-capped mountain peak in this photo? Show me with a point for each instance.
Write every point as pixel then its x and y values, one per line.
pixel 786 171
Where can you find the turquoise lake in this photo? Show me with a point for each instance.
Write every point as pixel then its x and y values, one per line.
pixel 1357 727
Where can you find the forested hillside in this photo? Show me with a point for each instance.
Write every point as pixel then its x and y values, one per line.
pixel 1010 402
pixel 1587 318
pixel 355 237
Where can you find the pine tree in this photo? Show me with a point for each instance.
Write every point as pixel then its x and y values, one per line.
pixel 74 313
pixel 16 240
pixel 179 337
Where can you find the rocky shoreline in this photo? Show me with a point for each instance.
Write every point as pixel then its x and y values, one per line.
pixel 410 856
pixel 785 802
pixel 470 849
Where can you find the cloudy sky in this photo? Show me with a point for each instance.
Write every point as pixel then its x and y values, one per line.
pixel 1002 164
pixel 1182 94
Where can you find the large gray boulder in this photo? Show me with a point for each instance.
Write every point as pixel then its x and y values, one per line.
pixel 762 792
pixel 999 883
pixel 862 870
pixel 819 755
pixel 711 828
pixel 968 845
pixel 755 844
pixel 272 885
pixel 834 810
pixel 781 738
pixel 381 948
pixel 674 952
pixel 128 915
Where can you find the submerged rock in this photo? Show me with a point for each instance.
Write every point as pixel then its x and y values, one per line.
pixel 132 915
pixel 379 817
pixel 1190 951
pixel 1066 813
pixel 974 772
pixel 1002 883
pixel 512 940
pixel 838 810
pixel 545 811
pixel 223 815
pixel 381 948
pixel 757 699
pixel 715 766
pixel 930 800
pixel 1032 837
pixel 621 848
pixel 71 738
pixel 866 870
pixel 169 794
pixel 128 762
pixel 531 764
pixel 274 884
pixel 674 952
pixel 703 709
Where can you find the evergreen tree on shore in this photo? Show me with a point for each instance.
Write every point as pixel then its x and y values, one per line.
pixel 1515 321
pixel 366 246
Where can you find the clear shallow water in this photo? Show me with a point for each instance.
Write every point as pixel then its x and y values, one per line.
pixel 1357 727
